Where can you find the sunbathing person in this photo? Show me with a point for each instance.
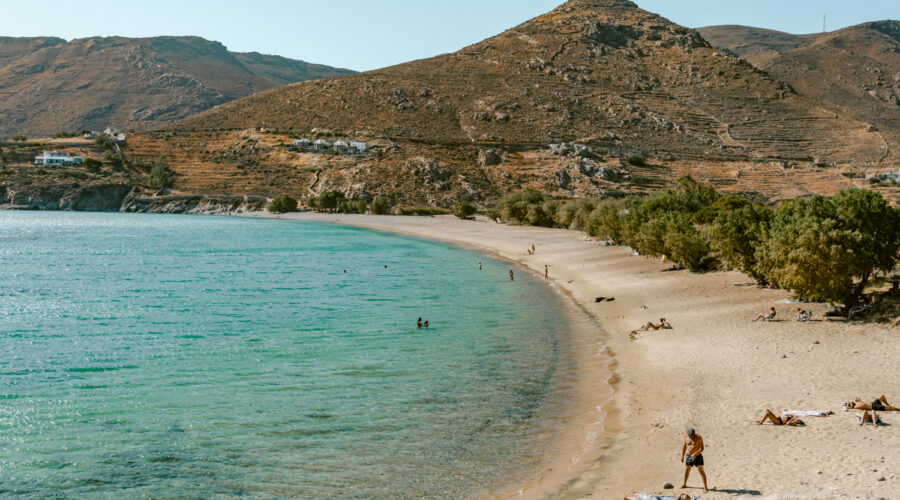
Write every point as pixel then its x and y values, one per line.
pixel 869 417
pixel 766 317
pixel 803 315
pixel 662 325
pixel 789 420
pixel 879 404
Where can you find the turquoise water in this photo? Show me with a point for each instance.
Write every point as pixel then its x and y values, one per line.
pixel 197 357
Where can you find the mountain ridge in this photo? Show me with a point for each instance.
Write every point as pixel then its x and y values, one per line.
pixel 48 84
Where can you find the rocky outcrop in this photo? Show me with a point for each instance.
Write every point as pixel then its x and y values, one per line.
pixel 193 204
pixel 93 198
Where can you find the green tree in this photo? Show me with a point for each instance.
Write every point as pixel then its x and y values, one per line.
pixel 330 200
pixel 464 209
pixel 828 250
pixel 282 205
pixel 738 235
pixel 381 206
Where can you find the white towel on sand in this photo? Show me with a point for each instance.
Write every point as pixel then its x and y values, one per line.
pixel 807 413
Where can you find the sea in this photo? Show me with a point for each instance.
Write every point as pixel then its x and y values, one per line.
pixel 174 356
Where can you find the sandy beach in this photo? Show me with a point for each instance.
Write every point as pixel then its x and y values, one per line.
pixel 716 371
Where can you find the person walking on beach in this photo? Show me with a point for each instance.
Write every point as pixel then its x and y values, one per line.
pixel 512 277
pixel 692 456
pixel 546 272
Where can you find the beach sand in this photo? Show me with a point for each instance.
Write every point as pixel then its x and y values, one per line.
pixel 716 370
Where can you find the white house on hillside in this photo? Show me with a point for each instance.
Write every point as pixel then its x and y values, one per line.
pixel 55 158
pixel 322 145
pixel 302 143
pixel 359 147
pixel 340 146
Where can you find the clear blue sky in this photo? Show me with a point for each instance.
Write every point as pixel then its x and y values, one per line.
pixel 369 34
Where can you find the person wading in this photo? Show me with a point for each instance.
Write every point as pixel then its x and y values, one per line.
pixel 692 456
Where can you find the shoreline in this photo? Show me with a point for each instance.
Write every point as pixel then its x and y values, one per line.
pixel 593 418
pixel 716 371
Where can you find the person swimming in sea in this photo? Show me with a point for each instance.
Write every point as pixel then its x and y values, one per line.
pixel 425 324
pixel 512 277
pixel 419 323
pixel 479 266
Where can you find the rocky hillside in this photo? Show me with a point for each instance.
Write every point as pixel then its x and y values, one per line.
pixel 854 71
pixel 48 85
pixel 756 45
pixel 595 98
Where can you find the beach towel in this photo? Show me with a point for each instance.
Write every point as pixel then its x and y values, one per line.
pixel 807 413
pixel 644 496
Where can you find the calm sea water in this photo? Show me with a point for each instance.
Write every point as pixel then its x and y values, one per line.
pixel 197 357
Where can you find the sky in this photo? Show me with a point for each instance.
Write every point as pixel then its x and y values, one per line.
pixel 369 34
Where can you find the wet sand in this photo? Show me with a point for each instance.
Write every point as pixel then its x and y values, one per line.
pixel 716 370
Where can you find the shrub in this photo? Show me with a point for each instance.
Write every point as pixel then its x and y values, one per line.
pixel 92 164
pixel 20 138
pixel 637 160
pixel 329 200
pixel 116 159
pixel 105 142
pixel 351 207
pixel 282 205
pixel 159 173
pixel 464 209
pixel 381 206
pixel 419 210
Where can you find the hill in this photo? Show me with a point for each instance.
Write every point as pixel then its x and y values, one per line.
pixel 753 44
pixel 595 98
pixel 49 85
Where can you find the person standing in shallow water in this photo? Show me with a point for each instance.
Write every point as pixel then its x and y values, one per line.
pixel 479 266
pixel 512 277
pixel 419 323
pixel 692 456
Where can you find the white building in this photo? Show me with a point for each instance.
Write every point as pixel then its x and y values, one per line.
pixel 302 143
pixel 340 146
pixel 359 147
pixel 55 158
pixel 322 145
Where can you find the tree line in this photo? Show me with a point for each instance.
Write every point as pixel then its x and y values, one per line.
pixel 823 249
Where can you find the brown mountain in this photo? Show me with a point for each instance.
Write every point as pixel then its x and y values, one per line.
pixel 49 85
pixel 558 104
pixel 591 69
pixel 855 71
pixel 756 45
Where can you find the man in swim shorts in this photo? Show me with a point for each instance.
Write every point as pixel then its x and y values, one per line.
pixel 692 456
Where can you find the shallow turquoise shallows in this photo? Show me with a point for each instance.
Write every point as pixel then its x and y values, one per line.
pixel 196 357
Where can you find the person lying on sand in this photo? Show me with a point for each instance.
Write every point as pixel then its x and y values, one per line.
pixel 788 420
pixel 869 417
pixel 803 315
pixel 766 317
pixel 645 496
pixel 879 404
pixel 662 325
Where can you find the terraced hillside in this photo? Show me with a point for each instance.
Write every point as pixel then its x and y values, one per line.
pixel 854 71
pixel 604 74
